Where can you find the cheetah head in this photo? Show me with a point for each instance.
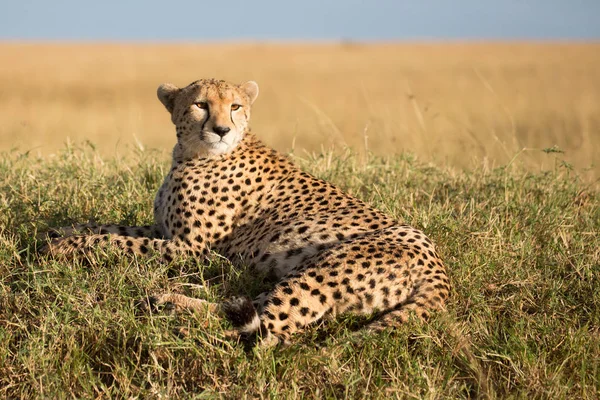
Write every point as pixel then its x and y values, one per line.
pixel 211 116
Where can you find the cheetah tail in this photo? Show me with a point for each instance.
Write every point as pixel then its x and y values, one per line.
pixel 243 316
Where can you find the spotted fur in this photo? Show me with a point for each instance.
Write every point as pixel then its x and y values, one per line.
pixel 227 192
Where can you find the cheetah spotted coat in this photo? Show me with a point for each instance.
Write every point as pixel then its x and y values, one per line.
pixel 330 252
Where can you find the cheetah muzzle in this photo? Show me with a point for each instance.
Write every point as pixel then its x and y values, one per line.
pixel 227 192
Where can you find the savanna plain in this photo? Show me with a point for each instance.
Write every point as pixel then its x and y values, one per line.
pixel 493 149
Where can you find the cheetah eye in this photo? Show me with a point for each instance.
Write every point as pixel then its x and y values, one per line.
pixel 235 107
pixel 202 105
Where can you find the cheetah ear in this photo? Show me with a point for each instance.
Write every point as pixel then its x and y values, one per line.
pixel 251 89
pixel 167 92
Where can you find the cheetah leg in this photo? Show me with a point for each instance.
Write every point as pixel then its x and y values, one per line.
pixel 299 301
pixel 149 231
pixel 180 302
pixel 398 316
pixel 269 327
pixel 89 244
pixel 426 298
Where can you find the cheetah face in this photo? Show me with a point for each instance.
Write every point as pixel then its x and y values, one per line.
pixel 211 116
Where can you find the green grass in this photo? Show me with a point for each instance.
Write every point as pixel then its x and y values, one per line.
pixel 522 249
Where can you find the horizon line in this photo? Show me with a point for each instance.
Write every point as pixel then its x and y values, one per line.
pixel 341 41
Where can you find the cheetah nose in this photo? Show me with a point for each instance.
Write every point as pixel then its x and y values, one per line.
pixel 221 130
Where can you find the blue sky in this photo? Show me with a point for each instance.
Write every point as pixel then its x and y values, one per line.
pixel 298 20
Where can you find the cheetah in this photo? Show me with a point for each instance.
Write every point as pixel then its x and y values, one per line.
pixel 227 192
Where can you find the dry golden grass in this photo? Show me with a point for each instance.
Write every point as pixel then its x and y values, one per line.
pixel 452 103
